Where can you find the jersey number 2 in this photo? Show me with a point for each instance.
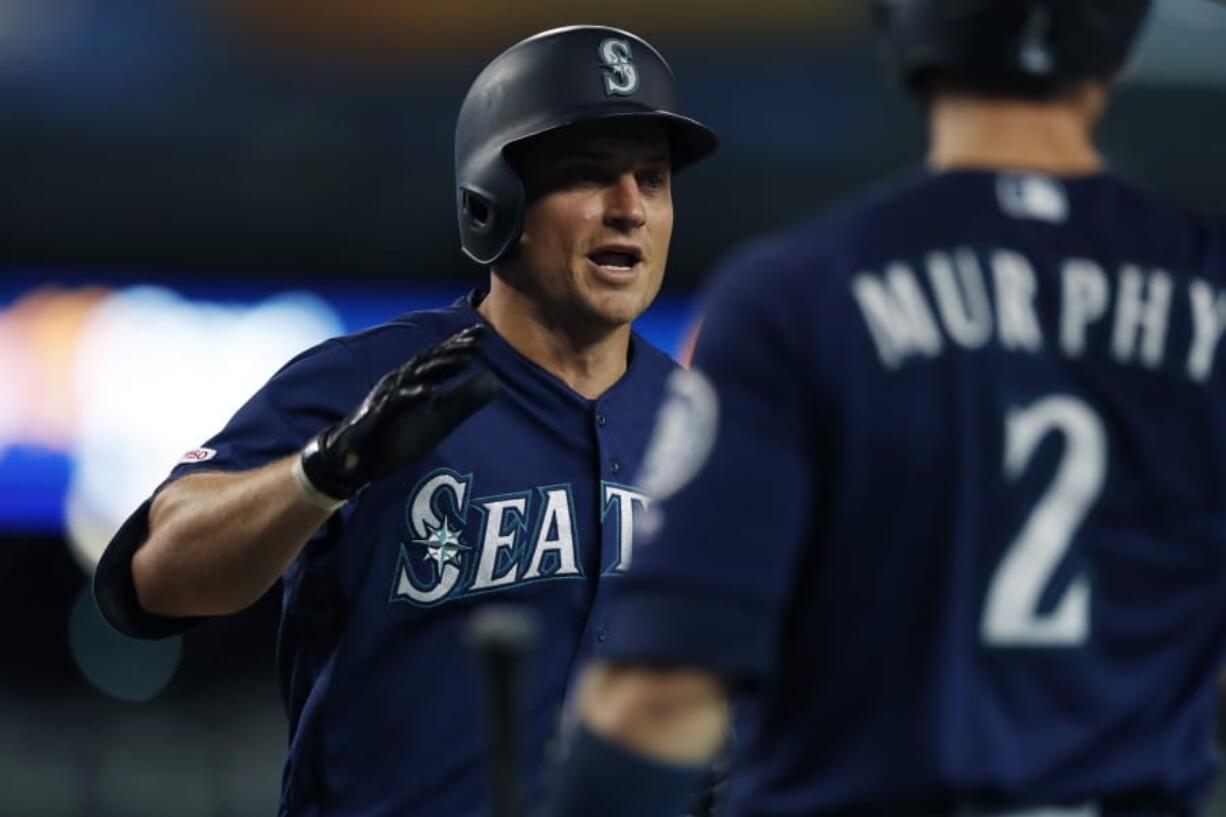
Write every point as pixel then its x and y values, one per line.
pixel 1011 617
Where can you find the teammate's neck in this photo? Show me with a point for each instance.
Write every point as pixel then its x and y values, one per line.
pixel 1048 137
pixel 588 362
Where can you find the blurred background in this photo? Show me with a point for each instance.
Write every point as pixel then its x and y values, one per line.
pixel 193 190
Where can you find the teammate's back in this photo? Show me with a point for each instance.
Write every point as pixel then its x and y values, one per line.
pixel 944 496
pixel 1012 585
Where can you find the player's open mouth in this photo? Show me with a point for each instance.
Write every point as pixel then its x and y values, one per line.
pixel 616 261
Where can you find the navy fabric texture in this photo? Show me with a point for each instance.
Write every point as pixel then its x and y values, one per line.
pixel 601 779
pixel 962 531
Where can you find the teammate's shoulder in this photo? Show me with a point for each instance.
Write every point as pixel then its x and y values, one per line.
pixel 1174 227
pixel 797 256
pixel 819 235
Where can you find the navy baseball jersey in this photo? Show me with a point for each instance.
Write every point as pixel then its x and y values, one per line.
pixel 527 503
pixel 947 492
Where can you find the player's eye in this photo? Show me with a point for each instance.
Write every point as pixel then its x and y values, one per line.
pixel 654 179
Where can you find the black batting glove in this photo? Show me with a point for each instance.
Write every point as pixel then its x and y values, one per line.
pixel 403 418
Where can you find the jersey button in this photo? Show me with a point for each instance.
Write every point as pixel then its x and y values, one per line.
pixel 615 466
pixel 602 634
pixel 600 420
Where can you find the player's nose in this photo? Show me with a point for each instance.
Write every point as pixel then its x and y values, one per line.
pixel 624 205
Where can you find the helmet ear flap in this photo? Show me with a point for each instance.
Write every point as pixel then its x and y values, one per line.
pixel 479 211
pixel 491 214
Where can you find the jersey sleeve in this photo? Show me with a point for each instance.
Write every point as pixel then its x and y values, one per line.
pixel 730 470
pixel 308 394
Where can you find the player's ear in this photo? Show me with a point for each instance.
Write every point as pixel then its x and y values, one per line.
pixel 1093 96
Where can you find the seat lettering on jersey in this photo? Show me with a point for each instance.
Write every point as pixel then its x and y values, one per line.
pixel 1124 314
pixel 555 536
pixel 622 501
pixel 431 527
pixel 455 545
pixel 506 523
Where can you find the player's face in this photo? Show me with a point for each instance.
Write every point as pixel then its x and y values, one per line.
pixel 598 221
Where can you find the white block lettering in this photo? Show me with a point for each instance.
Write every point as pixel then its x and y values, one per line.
pixel 424 521
pixel 555 520
pixel 1084 301
pixel 962 303
pixel 1016 321
pixel 1208 324
pixel 498 514
pixel 1141 317
pixel 897 315
pixel 624 499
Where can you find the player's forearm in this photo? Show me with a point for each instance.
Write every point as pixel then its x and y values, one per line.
pixel 218 541
pixel 668 715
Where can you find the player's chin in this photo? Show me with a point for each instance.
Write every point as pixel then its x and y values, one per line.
pixel 619 307
pixel 621 299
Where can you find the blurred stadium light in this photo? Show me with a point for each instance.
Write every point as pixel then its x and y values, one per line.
pixel 395 30
pixel 155 375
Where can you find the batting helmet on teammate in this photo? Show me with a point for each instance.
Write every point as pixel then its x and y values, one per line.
pixel 1010 47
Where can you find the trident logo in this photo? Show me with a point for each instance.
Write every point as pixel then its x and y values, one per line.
pixel 620 76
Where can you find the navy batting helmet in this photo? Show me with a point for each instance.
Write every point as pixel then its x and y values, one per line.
pixel 554 79
pixel 1028 47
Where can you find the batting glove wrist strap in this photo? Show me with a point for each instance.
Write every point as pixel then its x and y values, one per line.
pixel 307 489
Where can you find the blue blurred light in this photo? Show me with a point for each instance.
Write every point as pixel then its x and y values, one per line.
pixel 33 483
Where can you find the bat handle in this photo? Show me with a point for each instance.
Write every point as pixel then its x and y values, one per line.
pixel 503 637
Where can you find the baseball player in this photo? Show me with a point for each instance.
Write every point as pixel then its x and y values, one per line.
pixel 942 508
pixel 391 497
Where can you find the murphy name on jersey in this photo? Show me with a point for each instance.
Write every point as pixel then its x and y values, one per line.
pixel 980 296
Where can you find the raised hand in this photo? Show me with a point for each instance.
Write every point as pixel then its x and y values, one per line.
pixel 405 415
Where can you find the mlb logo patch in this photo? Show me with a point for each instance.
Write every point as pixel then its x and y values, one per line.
pixel 1032 196
pixel 198 455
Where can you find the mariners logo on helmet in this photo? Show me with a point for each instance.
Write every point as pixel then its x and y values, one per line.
pixel 620 76
pixel 553 80
pixel 1035 56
